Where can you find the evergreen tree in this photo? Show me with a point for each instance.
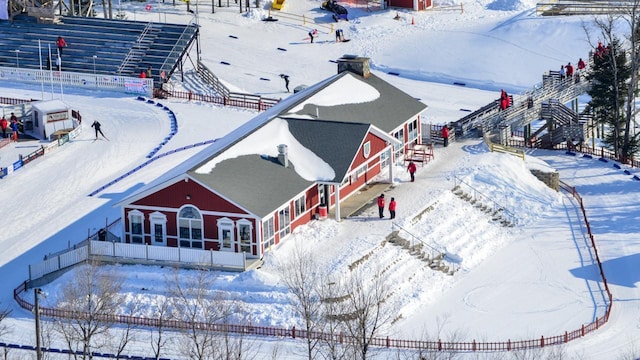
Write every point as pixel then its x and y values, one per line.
pixel 609 77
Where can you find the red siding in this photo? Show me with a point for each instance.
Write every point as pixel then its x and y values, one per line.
pixel 377 145
pixel 174 196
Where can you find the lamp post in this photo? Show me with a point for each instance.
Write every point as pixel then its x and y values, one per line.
pixel 36 296
pixel 94 64
pixel 17 51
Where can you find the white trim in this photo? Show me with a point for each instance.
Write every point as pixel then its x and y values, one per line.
pixel 226 224
pixel 158 218
pixel 130 216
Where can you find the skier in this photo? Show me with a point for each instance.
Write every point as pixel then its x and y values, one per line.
pixel 286 81
pixel 96 125
pixel 312 33
pixel 14 128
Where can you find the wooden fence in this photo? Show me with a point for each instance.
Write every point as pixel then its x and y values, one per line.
pixel 247 101
pixel 436 345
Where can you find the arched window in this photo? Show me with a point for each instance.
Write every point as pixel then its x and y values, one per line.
pixel 190 227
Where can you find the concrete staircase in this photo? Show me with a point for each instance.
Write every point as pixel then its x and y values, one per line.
pixel 496 213
pixel 435 261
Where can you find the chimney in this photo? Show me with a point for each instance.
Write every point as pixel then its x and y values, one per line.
pixel 355 64
pixel 283 158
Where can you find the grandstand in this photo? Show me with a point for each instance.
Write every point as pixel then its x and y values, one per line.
pixel 100 46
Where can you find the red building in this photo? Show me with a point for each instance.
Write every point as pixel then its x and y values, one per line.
pixel 250 189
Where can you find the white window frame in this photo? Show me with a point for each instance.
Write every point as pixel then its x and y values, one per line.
pixel 300 206
pixel 225 226
pixel 413 130
pixel 245 244
pixel 158 218
pixel 284 222
pixel 137 237
pixel 191 241
pixel 268 232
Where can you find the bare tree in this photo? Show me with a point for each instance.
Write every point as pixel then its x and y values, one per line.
pixel 204 310
pixel 123 336
pixel 368 314
pixel 158 338
pixel 299 274
pixel 88 304
pixel 333 295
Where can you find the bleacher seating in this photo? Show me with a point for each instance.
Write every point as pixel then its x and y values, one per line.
pixel 110 47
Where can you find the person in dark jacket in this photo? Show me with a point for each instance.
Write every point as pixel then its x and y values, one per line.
pixel 96 125
pixel 312 34
pixel 286 80
pixel 381 205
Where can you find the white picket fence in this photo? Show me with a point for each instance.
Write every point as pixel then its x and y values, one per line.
pixel 54 79
pixel 142 253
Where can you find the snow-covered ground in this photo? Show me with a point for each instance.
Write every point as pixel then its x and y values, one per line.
pixel 536 279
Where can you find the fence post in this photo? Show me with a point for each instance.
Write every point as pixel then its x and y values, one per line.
pixel 566 337
pixel 509 345
pixel 542 341
pixel 189 95
pixel 439 345
pixel 293 332
pixel 387 342
pixel 473 345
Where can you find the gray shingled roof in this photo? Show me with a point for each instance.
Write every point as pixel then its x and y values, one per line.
pixel 388 112
pixel 257 184
pixel 336 143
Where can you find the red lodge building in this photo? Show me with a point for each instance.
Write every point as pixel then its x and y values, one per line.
pixel 250 189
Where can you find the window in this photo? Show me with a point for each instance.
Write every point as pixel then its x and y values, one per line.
pixel 190 228
pixel 284 220
pixel 136 228
pixel 225 234
pixel 322 194
pixel 158 228
pixel 359 172
pixel 398 149
pixel 413 130
pixel 300 205
pixel 245 235
pixel 384 159
pixel 268 231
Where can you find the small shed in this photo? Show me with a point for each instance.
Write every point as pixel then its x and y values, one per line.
pixel 49 119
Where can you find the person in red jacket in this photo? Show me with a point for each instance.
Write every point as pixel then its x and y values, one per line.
pixel 143 74
pixel 445 135
pixel 61 43
pixel 569 68
pixel 392 208
pixel 581 64
pixel 3 125
pixel 411 168
pixel 381 205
